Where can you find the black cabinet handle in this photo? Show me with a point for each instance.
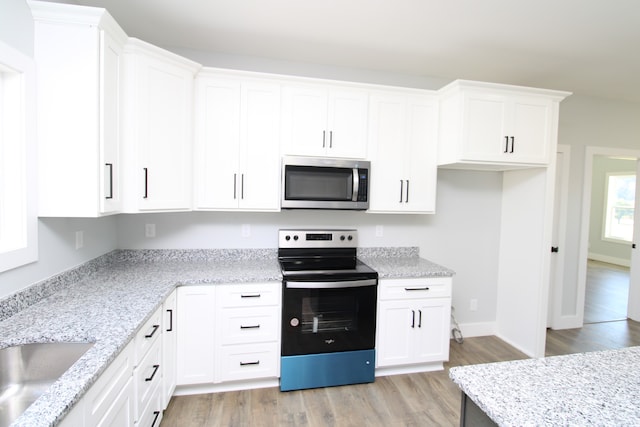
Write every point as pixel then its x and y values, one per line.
pixel 420 319
pixel 406 199
pixel 513 143
pixel 235 185
pixel 155 328
pixel 155 418
pixel 324 134
pixel 257 362
pixel 110 166
pixel 155 370
pixel 170 311
pixel 146 183
pixel 330 139
pixel 242 186
pixel 413 318
pixel 506 144
pixel 426 288
pixel 250 327
pixel 401 189
pixel 250 296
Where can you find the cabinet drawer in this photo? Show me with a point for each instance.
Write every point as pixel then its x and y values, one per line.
pixel 242 326
pixel 248 295
pixel 148 335
pixel 432 287
pixel 251 361
pixel 147 377
pixel 151 415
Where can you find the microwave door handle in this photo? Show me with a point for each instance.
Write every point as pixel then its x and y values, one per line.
pixel 356 185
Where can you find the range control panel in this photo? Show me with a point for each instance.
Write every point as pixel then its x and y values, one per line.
pixel 317 238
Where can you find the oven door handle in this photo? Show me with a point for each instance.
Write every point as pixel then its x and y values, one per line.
pixel 331 285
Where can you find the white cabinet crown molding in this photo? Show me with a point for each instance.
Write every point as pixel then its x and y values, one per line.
pixel 499 88
pixel 135 45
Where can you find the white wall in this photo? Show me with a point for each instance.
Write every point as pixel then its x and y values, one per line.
pixel 587 121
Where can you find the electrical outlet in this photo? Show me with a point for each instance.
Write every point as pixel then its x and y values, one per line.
pixel 150 230
pixel 79 239
pixel 473 305
pixel 246 230
pixel 379 231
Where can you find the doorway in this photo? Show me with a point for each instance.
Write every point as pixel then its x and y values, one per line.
pixel 605 260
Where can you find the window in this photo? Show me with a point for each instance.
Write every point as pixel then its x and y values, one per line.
pixel 18 222
pixel 620 202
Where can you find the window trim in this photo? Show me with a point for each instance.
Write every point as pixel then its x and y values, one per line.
pixel 16 61
pixel 605 208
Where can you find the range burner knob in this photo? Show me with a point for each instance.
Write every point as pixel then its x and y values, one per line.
pixel 295 237
pixel 342 237
pixel 350 237
pixel 287 237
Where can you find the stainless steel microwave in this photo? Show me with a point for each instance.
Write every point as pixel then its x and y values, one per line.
pixel 325 183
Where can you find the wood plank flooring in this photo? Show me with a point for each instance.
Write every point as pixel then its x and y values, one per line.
pixel 401 400
pixel 607 292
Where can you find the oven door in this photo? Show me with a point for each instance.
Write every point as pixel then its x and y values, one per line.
pixel 326 317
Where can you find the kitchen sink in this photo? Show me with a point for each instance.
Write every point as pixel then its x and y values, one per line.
pixel 27 371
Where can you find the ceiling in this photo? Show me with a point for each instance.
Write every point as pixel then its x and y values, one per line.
pixel 589 47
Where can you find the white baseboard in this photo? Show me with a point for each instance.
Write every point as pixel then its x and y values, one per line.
pixel 479 329
pixel 610 259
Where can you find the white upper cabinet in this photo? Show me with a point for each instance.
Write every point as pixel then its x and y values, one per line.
pixel 158 122
pixel 492 126
pixel 319 120
pixel 403 144
pixel 78 51
pixel 237 151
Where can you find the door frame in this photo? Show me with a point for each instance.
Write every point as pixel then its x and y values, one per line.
pixel 583 252
pixel 559 237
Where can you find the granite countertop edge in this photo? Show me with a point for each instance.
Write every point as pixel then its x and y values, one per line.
pixel 95 303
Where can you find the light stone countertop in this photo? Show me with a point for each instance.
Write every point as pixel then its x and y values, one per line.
pixel 108 300
pixel 586 389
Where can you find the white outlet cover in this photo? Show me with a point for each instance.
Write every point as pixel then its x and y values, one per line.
pixel 79 239
pixel 150 230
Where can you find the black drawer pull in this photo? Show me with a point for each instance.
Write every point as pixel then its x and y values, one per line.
pixel 249 327
pixel 413 318
pixel 110 166
pixel 155 418
pixel 250 296
pixel 170 311
pixel 426 288
pixel 419 318
pixel 155 369
pixel 257 362
pixel 155 328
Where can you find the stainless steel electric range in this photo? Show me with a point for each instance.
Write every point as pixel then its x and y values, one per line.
pixel 329 310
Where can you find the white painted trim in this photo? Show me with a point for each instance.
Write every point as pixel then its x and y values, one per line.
pixel 409 369
pixel 479 329
pixel 583 252
pixel 186 390
pixel 556 308
pixel 610 259
pixel 567 322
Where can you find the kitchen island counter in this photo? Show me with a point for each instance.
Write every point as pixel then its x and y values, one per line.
pixel 597 388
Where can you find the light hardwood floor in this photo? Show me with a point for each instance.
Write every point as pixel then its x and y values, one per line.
pixel 607 292
pixel 426 399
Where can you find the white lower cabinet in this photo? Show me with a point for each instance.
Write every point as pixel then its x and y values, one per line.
pixel 229 336
pixel 413 324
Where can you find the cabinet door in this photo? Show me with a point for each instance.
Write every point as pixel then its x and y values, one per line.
pixel 196 317
pixel 163 103
pixel 347 124
pixel 217 143
pixel 485 127
pixel 432 326
pixel 304 120
pixel 387 133
pixel 110 81
pixel 260 147
pixel 169 348
pixel 420 156
pixel 395 336
pixel 531 129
